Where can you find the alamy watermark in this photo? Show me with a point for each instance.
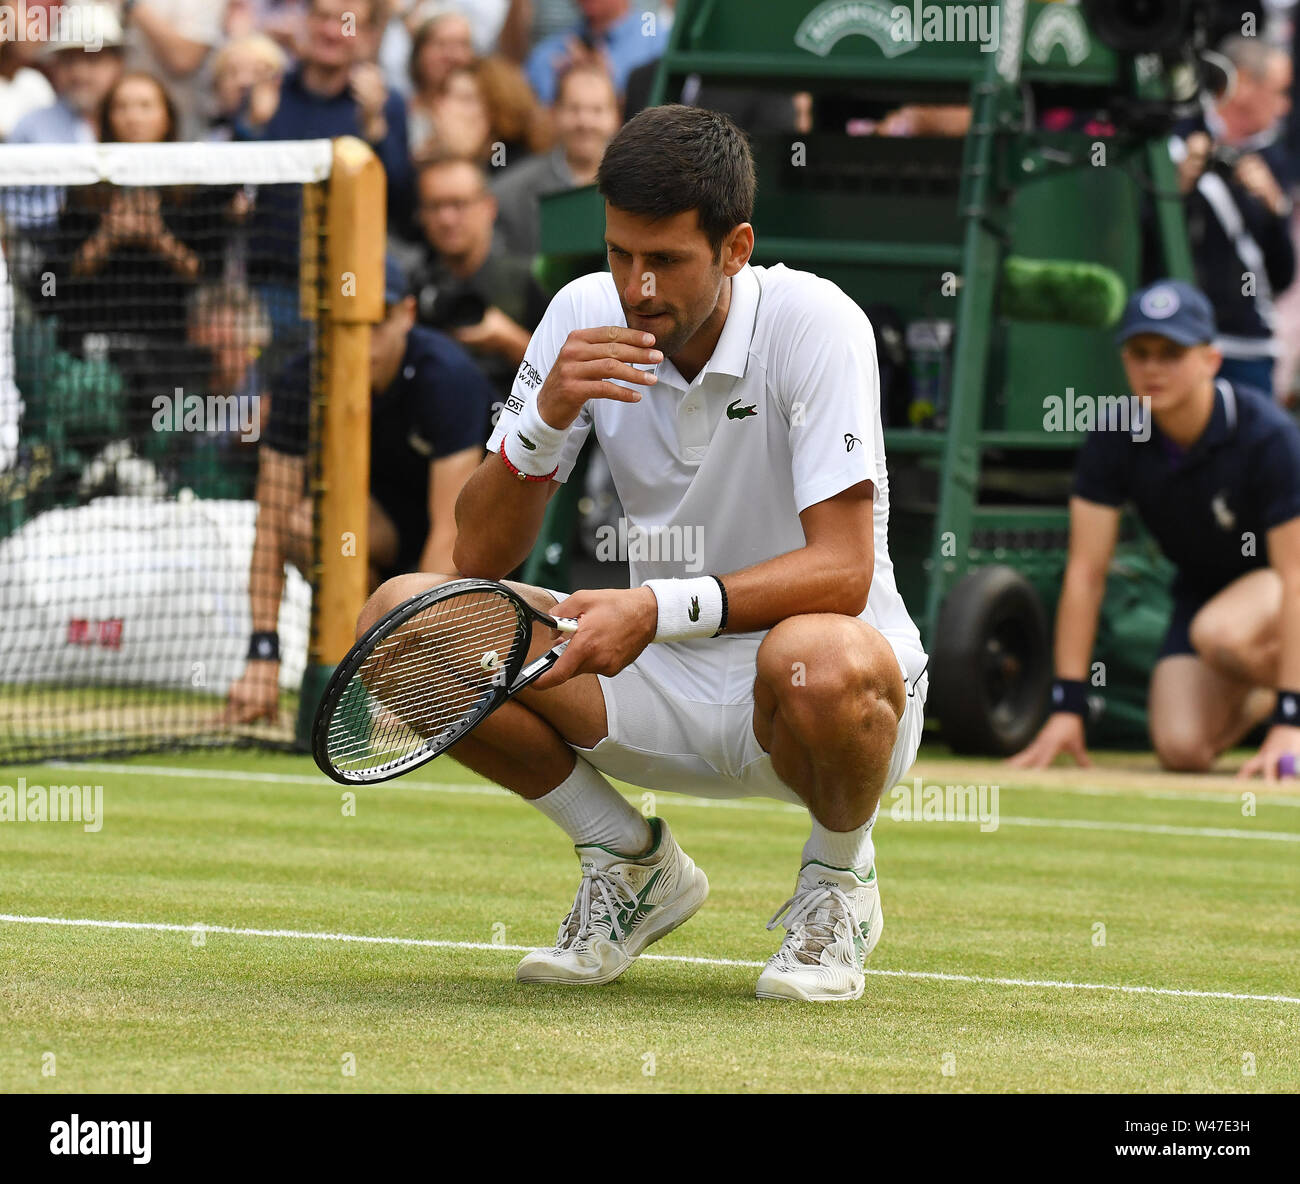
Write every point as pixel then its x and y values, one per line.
pixel 919 802
pixel 1106 413
pixel 917 22
pixel 88 1136
pixel 651 544
pixel 53 803
pixel 179 412
pixel 81 25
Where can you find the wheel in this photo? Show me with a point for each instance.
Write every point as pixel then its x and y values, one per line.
pixel 991 663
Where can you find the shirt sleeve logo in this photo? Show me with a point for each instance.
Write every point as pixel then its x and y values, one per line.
pixel 529 375
pixel 850 441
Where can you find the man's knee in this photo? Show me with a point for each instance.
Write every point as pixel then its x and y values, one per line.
pixel 393 592
pixel 826 672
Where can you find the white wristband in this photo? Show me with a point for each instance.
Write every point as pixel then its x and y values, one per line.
pixel 532 445
pixel 687 608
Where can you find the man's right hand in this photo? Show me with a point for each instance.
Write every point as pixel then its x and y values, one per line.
pixel 1063 732
pixel 255 695
pixel 587 361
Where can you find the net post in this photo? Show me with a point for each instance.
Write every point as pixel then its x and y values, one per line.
pixel 351 295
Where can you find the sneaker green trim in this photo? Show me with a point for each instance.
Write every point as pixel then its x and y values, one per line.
pixel 656 834
pixel 867 879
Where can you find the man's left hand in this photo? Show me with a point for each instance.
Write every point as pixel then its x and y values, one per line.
pixel 614 626
pixel 1280 740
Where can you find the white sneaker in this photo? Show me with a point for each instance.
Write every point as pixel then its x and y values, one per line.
pixel 834 922
pixel 623 904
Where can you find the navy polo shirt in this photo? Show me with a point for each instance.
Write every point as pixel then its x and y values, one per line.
pixel 304 115
pixel 1242 474
pixel 436 406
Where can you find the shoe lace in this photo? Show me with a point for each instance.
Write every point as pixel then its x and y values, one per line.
pixel 599 897
pixel 816 916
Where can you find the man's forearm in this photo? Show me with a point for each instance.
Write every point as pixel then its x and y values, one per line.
pixel 266 573
pixel 809 580
pixel 1076 621
pixel 498 518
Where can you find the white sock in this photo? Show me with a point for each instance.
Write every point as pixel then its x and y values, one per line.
pixel 591 811
pixel 842 848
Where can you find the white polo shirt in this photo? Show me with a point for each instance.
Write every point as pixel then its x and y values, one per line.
pixel 713 473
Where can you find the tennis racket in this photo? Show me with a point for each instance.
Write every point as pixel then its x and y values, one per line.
pixel 424 676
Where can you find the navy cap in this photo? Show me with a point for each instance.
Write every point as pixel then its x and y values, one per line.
pixel 397 287
pixel 1172 309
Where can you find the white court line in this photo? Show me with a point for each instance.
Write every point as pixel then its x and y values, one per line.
pixel 1155 828
pixel 1150 828
pixel 430 943
pixel 1269 798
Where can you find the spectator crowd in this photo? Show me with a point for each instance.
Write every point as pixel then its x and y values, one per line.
pixel 478 108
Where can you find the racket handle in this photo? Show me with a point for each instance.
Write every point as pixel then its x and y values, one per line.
pixel 566 624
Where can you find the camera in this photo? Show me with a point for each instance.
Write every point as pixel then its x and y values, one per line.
pixel 440 307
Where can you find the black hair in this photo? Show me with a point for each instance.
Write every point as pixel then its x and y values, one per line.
pixel 667 160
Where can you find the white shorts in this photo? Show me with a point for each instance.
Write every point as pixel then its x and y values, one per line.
pixel 681 719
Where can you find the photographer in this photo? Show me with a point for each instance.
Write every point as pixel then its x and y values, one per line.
pixel 1233 171
pixel 467 285
pixel 428 405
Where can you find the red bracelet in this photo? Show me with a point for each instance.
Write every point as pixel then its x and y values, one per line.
pixel 501 452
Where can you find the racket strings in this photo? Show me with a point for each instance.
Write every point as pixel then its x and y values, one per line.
pixel 427 678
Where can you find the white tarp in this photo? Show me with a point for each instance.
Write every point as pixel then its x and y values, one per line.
pixel 137 591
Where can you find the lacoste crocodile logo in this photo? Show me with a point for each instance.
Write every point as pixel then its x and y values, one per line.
pixel 735 411
pixel 526 442
pixel 694 611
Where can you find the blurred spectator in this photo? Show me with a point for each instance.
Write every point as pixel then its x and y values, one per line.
pixel 22 87
pixel 442 44
pixel 459 124
pixel 82 68
pixel 330 92
pixel 752 109
pixel 480 19
pixel 228 322
pixel 230 330
pixel 127 258
pixel 586 117
pixel 237 68
pixel 611 32
pixel 1229 165
pixel 428 407
pixel 333 91
pixel 138 110
pixel 518 125
pixel 174 40
pixel 467 285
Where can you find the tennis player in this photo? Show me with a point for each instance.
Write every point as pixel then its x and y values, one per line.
pixel 740 404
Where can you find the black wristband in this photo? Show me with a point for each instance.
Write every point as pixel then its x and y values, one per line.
pixel 1070 694
pixel 264 646
pixel 723 589
pixel 1287 710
